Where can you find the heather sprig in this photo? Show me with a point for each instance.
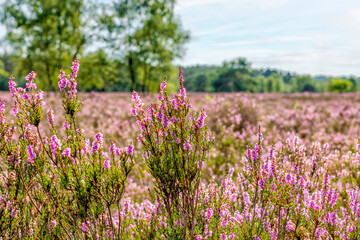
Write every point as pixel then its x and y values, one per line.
pixel 175 148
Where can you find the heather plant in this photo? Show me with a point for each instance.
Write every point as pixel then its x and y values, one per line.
pixel 175 144
pixel 55 183
pixel 57 187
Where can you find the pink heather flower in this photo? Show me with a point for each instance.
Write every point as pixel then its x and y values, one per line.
pixel 200 121
pixel 66 125
pixel 84 150
pixel 66 153
pixel 31 231
pixel 163 85
pixel 199 237
pixel 137 109
pixel 39 96
pixel 209 213
pixel 107 164
pixel 31 154
pixel 55 144
pixel 26 97
pixel 99 138
pixel 136 98
pixel 187 146
pixel 12 85
pixel 163 224
pixel 75 67
pixel 140 137
pixel 14 213
pixel 50 117
pixel 62 81
pixel 2 106
pixel 130 150
pixel 84 227
pixel 53 223
pixel 95 147
pixel 31 76
pixel 112 148
pixel 15 110
pixel 118 152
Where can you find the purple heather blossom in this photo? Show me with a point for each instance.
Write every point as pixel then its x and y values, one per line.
pixel 31 76
pixel 53 223
pixel 66 153
pixel 12 85
pixel 140 138
pixel 223 236
pixel 187 146
pixel 50 117
pixel 32 154
pixel 163 85
pixel 55 144
pixel 107 164
pixel 200 120
pixel 66 125
pixel 75 67
pixel 99 138
pixel 112 148
pixel 62 81
pixel 84 227
pixel 130 149
pixel 15 110
pixel 118 152
pixel 95 147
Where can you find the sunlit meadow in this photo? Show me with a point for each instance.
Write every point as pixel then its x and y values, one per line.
pixel 184 166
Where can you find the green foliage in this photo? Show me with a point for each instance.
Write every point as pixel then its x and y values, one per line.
pixel 45 35
pixel 103 73
pixel 152 36
pixel 302 84
pixel 274 83
pixel 235 76
pixel 340 85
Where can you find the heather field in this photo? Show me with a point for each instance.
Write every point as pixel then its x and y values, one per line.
pixel 188 166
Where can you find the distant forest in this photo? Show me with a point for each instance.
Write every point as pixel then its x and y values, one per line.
pixel 238 76
pixel 233 76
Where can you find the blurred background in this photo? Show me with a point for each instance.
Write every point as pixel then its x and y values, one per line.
pixel 223 45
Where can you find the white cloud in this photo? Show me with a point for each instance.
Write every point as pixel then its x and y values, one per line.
pixel 266 40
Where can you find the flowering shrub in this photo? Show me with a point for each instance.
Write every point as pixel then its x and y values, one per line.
pixel 175 148
pixel 57 184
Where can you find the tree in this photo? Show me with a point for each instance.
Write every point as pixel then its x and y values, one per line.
pixel 201 83
pixel 235 77
pixel 151 35
pixel 45 35
pixel 4 76
pixel 102 73
pixel 352 79
pixel 302 83
pixel 339 85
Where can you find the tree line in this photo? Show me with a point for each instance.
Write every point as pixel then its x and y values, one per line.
pixel 237 75
pixel 123 45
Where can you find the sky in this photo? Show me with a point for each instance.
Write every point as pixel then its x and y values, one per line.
pixel 303 36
